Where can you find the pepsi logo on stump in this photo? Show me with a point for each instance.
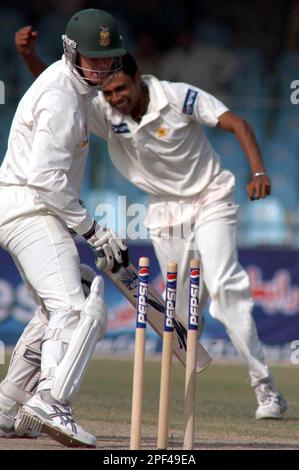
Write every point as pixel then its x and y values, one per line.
pixel 193 315
pixel 143 274
pixel 170 300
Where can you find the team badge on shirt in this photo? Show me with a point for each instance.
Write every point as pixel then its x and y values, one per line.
pixel 189 101
pixel 121 128
pixel 161 132
pixel 104 36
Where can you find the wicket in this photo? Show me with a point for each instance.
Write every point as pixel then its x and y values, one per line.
pixel 166 362
pixel 166 365
pixel 192 341
pixel 143 272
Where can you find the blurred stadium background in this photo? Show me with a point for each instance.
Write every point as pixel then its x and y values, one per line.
pixel 245 53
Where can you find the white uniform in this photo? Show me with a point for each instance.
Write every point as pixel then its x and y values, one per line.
pixel 168 156
pixel 40 181
pixel 48 145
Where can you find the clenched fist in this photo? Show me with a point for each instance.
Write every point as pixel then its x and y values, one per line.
pixel 25 40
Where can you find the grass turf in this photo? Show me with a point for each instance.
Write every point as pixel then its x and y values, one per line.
pixel 225 406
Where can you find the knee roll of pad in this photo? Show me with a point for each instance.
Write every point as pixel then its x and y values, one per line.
pixel 91 327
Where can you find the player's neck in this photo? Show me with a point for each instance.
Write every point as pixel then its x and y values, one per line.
pixel 140 110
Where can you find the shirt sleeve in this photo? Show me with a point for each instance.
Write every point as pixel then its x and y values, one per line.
pixel 56 135
pixel 198 105
pixel 98 122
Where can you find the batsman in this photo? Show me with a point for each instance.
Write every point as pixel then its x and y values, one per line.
pixel 40 180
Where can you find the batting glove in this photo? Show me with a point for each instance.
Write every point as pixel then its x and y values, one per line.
pixel 111 251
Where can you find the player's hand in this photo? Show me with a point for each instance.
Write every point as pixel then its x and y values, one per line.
pixel 110 249
pixel 25 40
pixel 259 187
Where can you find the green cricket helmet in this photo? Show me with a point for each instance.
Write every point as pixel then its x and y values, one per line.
pixel 94 34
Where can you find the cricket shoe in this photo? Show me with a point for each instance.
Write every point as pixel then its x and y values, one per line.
pixel 55 420
pixel 271 404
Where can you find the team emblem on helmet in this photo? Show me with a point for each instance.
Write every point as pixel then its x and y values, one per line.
pixel 104 36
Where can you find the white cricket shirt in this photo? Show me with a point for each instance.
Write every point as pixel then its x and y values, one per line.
pixel 167 154
pixel 48 144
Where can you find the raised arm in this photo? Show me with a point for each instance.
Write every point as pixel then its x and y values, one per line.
pixel 260 185
pixel 25 40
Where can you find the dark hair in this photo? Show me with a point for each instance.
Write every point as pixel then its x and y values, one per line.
pixel 129 65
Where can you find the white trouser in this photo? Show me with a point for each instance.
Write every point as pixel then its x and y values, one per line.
pixel 213 239
pixel 48 261
pixel 43 249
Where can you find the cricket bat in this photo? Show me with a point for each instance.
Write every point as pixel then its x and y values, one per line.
pixel 126 279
